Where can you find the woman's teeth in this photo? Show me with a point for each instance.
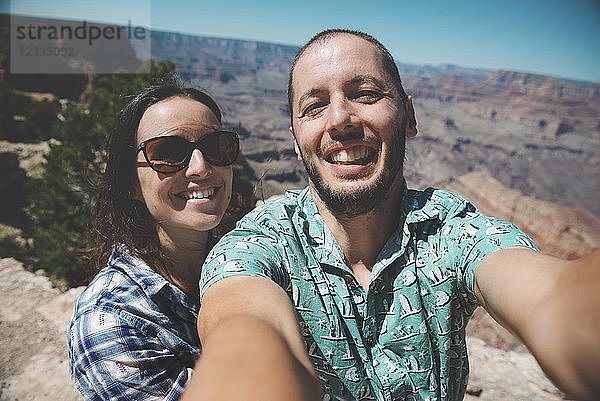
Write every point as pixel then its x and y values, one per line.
pixel 199 194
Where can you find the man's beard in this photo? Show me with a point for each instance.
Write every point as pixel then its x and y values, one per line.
pixel 352 203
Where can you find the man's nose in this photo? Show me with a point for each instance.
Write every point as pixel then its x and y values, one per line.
pixel 198 166
pixel 340 117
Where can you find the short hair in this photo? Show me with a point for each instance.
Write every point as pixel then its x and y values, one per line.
pixel 120 219
pixel 388 61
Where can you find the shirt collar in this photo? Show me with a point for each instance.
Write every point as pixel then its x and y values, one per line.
pixel 318 234
pixel 138 270
pixel 430 204
pixel 155 286
pixel 417 207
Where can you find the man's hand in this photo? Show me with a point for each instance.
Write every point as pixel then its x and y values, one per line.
pixel 251 345
pixel 553 306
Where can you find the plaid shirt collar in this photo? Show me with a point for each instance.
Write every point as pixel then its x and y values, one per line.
pixel 154 285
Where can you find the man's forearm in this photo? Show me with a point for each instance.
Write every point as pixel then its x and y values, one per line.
pixel 244 358
pixel 552 305
pixel 564 336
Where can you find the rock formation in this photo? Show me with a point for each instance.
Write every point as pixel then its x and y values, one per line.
pixel 33 351
pixel 556 230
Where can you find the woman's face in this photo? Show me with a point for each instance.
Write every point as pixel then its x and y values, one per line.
pixel 192 199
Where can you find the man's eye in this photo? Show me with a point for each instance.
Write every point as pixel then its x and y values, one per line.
pixel 313 108
pixel 368 95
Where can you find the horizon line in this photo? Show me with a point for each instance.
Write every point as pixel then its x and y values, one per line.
pixel 442 64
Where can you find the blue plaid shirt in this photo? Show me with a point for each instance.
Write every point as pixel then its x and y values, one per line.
pixel 132 335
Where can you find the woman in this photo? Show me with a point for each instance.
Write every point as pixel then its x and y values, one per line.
pixel 167 186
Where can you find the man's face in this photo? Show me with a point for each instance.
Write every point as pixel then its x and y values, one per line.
pixel 349 124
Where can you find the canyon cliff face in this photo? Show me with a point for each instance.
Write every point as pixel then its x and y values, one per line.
pixel 558 231
pixel 553 106
pixel 535 134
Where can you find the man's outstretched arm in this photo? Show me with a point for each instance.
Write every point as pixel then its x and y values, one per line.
pixel 252 348
pixel 553 307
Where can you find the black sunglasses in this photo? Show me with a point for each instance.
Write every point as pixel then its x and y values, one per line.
pixel 169 154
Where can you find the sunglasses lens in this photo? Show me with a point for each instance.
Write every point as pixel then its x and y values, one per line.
pixel 167 154
pixel 220 148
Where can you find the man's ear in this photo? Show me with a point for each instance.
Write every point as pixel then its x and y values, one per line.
pixel 296 148
pixel 411 126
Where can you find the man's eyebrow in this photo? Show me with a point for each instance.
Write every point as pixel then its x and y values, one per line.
pixel 307 94
pixel 357 80
pixel 367 79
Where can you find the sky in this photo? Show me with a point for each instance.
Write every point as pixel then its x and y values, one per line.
pixel 553 37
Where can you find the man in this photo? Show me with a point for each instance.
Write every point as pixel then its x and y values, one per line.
pixel 364 285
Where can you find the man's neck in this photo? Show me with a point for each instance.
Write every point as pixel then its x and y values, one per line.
pixel 361 238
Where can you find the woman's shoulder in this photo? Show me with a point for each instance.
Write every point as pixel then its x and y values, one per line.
pixel 118 283
pixel 126 288
pixel 110 285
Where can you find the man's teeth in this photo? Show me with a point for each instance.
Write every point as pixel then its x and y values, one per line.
pixel 351 155
pixel 199 194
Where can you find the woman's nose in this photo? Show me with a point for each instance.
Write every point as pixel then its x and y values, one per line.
pixel 198 166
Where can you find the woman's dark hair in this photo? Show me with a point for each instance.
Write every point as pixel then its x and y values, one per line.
pixel 120 219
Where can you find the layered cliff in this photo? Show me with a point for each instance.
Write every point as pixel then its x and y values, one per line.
pixel 558 231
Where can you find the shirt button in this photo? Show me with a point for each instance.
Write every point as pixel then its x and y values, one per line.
pixel 370 342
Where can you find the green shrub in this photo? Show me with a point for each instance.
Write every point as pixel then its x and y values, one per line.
pixel 23 118
pixel 63 196
pixel 11 244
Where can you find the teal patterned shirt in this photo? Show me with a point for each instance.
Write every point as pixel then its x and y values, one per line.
pixel 404 338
